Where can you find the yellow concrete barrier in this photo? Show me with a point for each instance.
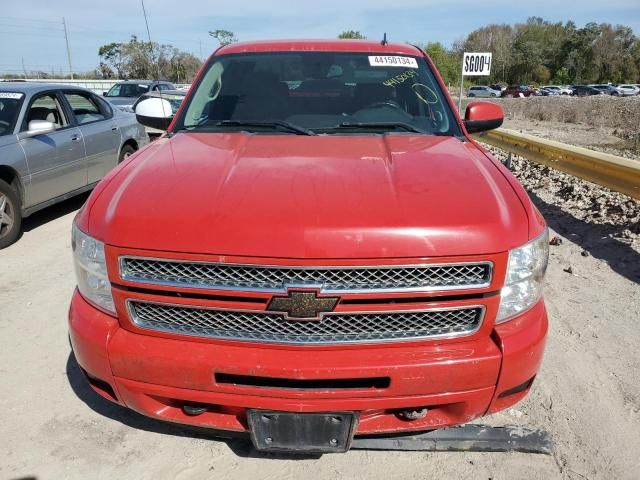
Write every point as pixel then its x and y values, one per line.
pixel 617 173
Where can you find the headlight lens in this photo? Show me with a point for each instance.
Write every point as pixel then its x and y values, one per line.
pixel 91 270
pixel 525 275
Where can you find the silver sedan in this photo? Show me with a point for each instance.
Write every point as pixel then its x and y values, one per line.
pixel 483 92
pixel 56 141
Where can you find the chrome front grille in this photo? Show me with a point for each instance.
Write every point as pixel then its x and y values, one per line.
pixel 267 278
pixel 332 328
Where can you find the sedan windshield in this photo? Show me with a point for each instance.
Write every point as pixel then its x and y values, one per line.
pixel 10 103
pixel 318 92
pixel 130 90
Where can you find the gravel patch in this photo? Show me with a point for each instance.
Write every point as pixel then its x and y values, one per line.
pixel 593 205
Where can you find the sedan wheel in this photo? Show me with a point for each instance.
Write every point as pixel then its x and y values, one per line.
pixel 126 152
pixel 10 215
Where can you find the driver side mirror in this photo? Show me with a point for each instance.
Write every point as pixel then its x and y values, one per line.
pixel 154 113
pixel 483 116
pixel 38 127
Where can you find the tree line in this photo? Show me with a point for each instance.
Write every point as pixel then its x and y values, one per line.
pixel 541 52
pixel 137 59
pixel 534 52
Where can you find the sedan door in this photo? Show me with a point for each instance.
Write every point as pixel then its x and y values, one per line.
pixel 56 160
pixel 100 132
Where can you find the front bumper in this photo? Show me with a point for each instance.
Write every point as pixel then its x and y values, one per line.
pixel 456 382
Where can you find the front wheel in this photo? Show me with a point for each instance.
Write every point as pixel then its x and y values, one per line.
pixel 10 215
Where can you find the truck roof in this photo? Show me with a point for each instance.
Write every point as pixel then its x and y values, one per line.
pixel 319 46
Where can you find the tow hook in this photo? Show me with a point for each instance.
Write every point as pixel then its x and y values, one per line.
pixel 193 410
pixel 413 414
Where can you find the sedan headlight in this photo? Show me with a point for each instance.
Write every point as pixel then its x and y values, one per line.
pixel 91 270
pixel 525 275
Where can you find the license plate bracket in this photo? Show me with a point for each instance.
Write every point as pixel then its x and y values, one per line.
pixel 301 432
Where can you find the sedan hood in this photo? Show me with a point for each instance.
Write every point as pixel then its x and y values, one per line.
pixel 327 196
pixel 121 101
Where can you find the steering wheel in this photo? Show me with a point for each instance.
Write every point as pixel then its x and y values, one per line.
pixel 385 103
pixel 4 125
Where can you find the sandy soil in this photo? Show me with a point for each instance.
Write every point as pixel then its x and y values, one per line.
pixel 587 394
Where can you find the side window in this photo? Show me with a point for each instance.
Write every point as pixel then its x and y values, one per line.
pixel 164 86
pixel 105 108
pixel 86 109
pixel 46 107
pixel 115 90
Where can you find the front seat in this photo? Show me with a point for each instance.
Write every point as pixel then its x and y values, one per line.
pixel 44 113
pixel 265 98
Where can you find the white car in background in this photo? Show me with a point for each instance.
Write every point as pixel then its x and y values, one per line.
pixel 482 91
pixel 560 90
pixel 628 90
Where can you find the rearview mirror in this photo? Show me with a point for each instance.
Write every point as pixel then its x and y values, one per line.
pixel 483 116
pixel 155 113
pixel 38 127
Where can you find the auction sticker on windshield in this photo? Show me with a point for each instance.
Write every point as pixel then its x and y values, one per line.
pixel 392 61
pixel 15 96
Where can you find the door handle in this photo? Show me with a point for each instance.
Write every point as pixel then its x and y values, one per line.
pixel 75 137
pixel 114 128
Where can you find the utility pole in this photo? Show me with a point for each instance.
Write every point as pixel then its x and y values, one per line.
pixel 200 43
pixel 24 69
pixel 66 39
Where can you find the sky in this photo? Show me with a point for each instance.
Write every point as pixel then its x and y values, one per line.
pixel 31 31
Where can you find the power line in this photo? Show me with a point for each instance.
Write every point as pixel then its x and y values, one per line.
pixel 30 27
pixel 26 19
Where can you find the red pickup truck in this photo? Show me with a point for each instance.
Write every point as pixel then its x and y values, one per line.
pixel 315 249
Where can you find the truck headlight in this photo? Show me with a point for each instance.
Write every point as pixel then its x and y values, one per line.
pixel 525 275
pixel 91 270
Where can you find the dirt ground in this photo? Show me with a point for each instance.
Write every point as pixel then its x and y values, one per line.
pixel 602 139
pixel 587 393
pixel 602 123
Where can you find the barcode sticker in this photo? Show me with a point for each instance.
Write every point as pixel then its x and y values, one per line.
pixel 392 61
pixel 15 96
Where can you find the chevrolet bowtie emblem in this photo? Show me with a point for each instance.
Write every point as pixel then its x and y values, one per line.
pixel 302 305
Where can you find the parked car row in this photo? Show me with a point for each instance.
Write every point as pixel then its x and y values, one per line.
pixel 494 91
pixel 56 141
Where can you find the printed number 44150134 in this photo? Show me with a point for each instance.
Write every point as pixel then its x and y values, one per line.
pixel 392 61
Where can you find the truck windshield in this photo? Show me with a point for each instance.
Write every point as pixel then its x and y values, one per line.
pixel 10 103
pixel 319 92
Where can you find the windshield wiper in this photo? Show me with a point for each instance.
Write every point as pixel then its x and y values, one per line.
pixel 272 123
pixel 406 126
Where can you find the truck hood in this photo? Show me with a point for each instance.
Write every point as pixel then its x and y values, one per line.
pixel 327 196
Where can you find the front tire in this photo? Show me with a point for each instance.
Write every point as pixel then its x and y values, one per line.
pixel 10 215
pixel 125 153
